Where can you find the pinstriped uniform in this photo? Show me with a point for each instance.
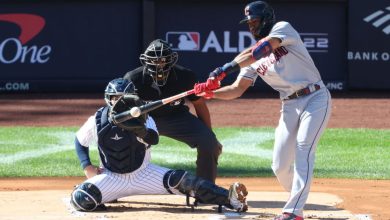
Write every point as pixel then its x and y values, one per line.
pixel 147 179
pixel 290 69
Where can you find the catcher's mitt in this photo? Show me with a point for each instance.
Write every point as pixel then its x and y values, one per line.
pixel 125 103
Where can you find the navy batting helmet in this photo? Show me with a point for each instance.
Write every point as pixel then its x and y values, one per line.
pixel 158 59
pixel 260 10
pixel 118 86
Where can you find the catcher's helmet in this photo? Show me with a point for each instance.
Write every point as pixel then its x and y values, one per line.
pixel 118 86
pixel 158 59
pixel 260 10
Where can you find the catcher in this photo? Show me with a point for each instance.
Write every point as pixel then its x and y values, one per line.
pixel 125 154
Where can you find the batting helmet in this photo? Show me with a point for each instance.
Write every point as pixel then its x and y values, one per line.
pixel 260 10
pixel 116 87
pixel 158 59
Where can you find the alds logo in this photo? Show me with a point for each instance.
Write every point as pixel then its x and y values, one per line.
pixel 17 51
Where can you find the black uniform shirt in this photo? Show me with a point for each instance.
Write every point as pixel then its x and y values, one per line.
pixel 179 80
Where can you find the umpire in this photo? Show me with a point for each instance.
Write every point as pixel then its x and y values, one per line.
pixel 159 77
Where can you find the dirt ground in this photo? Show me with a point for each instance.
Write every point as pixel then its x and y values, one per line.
pixel 353 110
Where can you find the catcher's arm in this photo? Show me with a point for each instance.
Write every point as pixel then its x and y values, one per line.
pixel 90 170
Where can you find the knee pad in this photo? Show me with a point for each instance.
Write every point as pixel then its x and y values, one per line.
pixel 86 197
pixel 172 179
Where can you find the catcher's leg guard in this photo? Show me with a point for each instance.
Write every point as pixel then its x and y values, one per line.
pixel 86 197
pixel 202 190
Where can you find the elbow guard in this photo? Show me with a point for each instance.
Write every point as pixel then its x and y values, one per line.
pixel 262 49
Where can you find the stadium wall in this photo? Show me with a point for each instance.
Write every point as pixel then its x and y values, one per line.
pixel 78 46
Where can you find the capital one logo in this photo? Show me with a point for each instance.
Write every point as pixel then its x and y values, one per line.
pixel 17 50
pixel 379 18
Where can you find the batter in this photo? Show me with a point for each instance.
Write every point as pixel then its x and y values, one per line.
pixel 282 61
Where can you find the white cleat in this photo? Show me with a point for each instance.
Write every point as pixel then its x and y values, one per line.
pixel 237 197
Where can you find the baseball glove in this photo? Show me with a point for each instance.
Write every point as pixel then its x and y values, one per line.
pixel 136 125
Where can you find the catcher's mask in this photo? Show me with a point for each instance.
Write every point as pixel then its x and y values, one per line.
pixel 118 87
pixel 158 59
pixel 262 11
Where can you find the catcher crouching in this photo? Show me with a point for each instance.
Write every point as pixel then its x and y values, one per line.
pixel 125 154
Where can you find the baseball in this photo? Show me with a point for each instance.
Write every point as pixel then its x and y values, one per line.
pixel 135 112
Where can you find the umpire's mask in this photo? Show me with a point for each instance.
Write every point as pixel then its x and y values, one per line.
pixel 158 59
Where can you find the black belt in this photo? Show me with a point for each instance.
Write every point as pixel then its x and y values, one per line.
pixel 304 91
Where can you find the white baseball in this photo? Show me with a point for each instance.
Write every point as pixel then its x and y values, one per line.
pixel 135 112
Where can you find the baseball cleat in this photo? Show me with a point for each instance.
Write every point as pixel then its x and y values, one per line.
pixel 288 216
pixel 237 197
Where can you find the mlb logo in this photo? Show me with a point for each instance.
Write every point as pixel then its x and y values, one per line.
pixel 184 41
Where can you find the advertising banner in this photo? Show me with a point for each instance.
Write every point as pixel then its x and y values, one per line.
pixel 75 46
pixel 369 45
pixel 209 35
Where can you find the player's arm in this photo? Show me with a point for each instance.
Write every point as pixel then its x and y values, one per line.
pixel 202 111
pixel 234 90
pixel 262 48
pixel 84 137
pixel 152 136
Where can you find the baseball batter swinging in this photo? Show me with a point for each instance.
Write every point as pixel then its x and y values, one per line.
pixel 282 61
pixel 124 150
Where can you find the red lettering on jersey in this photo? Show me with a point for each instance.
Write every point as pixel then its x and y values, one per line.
pixel 274 57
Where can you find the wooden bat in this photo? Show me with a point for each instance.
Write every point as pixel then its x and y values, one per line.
pixel 143 109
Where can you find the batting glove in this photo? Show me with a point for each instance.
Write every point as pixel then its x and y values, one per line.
pixel 210 84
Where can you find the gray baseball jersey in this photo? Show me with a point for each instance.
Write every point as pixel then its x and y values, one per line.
pixel 287 69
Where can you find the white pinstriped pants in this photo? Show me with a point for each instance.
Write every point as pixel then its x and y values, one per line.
pixel 148 179
pixel 301 124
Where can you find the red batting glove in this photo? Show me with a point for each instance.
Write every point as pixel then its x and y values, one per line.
pixel 200 88
pixel 213 83
pixel 209 85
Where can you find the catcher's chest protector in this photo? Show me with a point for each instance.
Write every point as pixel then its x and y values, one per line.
pixel 119 150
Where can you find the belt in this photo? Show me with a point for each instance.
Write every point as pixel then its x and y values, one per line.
pixel 305 91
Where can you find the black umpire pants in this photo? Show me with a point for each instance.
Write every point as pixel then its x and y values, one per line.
pixel 187 128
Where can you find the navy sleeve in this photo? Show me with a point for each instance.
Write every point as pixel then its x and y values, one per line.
pixel 82 153
pixel 151 137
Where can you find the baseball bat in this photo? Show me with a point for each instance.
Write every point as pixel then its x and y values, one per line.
pixel 143 109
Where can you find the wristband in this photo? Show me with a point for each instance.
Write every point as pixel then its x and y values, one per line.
pixel 231 67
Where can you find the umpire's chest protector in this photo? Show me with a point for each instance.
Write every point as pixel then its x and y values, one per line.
pixel 119 150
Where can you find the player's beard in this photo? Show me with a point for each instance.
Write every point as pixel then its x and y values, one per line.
pixel 255 31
